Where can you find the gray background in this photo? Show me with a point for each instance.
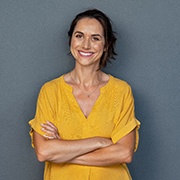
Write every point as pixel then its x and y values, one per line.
pixel 34 48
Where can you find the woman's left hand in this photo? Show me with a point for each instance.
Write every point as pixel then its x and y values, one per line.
pixel 51 131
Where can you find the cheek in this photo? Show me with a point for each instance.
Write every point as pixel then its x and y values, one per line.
pixel 73 48
pixel 73 45
pixel 99 47
pixel 73 42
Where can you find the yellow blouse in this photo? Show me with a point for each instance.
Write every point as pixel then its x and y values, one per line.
pixel 112 116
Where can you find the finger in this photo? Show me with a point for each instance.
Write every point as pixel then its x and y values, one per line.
pixel 57 136
pixel 49 131
pixel 48 127
pixel 52 125
pixel 48 137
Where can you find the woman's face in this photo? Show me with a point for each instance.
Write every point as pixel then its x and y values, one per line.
pixel 88 42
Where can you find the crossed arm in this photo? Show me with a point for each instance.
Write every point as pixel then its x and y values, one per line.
pixel 95 151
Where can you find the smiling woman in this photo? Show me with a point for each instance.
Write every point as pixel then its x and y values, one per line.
pixel 87 42
pixel 108 33
pixel 85 127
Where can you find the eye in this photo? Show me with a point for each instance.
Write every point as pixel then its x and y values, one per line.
pixel 95 38
pixel 79 36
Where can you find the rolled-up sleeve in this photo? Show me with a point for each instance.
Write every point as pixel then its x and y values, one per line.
pixel 126 121
pixel 44 111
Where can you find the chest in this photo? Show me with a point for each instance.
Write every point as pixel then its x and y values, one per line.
pixel 86 103
pixel 82 118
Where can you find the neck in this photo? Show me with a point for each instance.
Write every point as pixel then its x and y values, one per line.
pixel 86 77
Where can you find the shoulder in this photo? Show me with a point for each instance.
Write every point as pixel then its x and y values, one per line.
pixel 52 85
pixel 121 90
pixel 120 84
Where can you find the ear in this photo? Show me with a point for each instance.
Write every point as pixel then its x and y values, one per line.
pixel 105 48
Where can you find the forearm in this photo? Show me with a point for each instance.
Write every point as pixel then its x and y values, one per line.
pixel 121 152
pixel 60 151
pixel 95 151
pixel 114 154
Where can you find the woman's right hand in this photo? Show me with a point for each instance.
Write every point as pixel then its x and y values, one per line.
pixel 51 130
pixel 52 133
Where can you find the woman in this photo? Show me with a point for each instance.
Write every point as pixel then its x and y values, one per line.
pixel 84 127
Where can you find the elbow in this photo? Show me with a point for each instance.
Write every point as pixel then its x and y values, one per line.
pixel 41 155
pixel 40 158
pixel 128 156
pixel 129 159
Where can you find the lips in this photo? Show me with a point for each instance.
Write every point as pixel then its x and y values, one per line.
pixel 85 54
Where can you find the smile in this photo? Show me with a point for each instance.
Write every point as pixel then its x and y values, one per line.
pixel 85 54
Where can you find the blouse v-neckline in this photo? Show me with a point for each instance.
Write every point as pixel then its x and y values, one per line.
pixel 102 90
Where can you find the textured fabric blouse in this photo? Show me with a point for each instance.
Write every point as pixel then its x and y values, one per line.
pixel 112 116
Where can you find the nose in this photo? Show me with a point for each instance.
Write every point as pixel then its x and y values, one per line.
pixel 86 43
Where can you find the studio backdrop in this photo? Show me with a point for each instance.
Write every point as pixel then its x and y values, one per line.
pixel 34 49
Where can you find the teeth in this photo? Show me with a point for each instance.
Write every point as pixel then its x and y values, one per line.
pixel 85 54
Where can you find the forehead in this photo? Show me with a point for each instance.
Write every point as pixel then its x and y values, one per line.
pixel 91 25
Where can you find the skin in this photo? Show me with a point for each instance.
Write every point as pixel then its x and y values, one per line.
pixel 87 47
pixel 87 43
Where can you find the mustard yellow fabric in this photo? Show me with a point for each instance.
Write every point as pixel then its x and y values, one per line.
pixel 112 116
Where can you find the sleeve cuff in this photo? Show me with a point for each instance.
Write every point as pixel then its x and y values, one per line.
pixel 34 126
pixel 134 124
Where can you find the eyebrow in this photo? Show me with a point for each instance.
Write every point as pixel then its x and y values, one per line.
pixel 79 32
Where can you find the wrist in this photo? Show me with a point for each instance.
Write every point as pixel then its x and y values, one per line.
pixel 104 142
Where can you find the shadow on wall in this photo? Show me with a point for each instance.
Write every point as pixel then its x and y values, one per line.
pixel 145 164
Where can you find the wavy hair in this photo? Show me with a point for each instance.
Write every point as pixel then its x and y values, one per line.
pixel 109 34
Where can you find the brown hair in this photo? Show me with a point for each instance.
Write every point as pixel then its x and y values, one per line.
pixel 109 34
